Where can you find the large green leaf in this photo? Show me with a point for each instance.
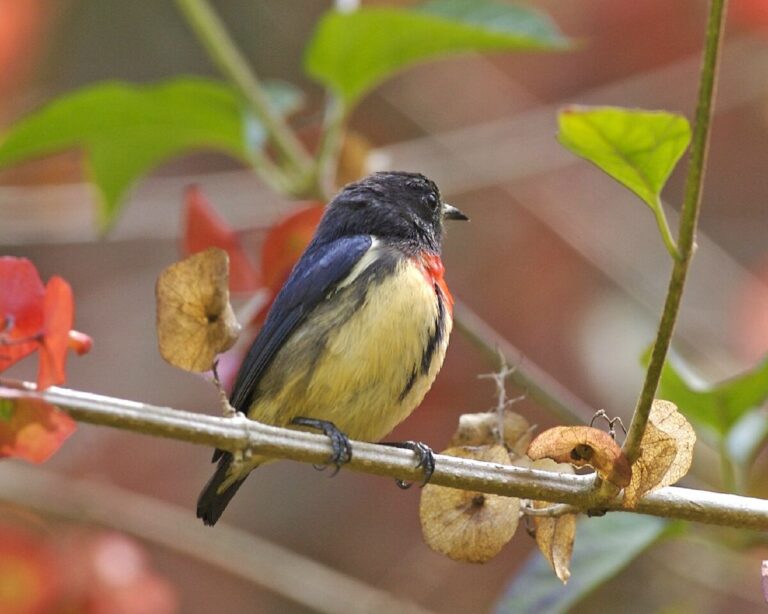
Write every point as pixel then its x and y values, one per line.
pixel 718 406
pixel 352 52
pixel 126 130
pixel 603 547
pixel 639 149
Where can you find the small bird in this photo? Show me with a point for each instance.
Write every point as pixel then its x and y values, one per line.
pixel 358 333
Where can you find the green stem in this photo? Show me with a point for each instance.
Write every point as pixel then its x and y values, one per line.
pixel 666 233
pixel 727 469
pixel 688 219
pixel 227 57
pixel 327 159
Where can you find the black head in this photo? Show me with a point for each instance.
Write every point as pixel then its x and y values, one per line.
pixel 405 207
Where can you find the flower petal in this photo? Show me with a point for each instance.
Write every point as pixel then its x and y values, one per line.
pixel 32 429
pixel 59 315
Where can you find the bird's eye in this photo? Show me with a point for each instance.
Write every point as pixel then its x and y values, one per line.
pixel 431 201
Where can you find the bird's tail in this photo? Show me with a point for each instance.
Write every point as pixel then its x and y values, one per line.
pixel 211 503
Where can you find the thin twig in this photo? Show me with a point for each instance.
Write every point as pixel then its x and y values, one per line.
pixel 539 385
pixel 666 233
pixel 551 511
pixel 686 235
pixel 238 552
pixel 230 61
pixel 234 434
pixel 500 380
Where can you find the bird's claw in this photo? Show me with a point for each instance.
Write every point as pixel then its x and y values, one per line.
pixel 342 449
pixel 425 456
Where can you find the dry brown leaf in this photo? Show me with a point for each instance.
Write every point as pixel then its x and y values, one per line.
pixel 584 445
pixel 464 525
pixel 555 536
pixel 481 428
pixel 666 452
pixel 195 321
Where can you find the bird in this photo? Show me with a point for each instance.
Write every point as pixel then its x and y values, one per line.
pixel 356 336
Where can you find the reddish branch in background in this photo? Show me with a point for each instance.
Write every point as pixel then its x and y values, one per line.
pixel 22 29
pixel 35 318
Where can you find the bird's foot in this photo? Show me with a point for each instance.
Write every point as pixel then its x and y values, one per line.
pixel 342 449
pixel 424 456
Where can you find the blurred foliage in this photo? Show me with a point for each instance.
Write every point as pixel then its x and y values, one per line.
pixel 716 406
pixel 127 130
pixel 88 572
pixel 352 52
pixel 603 548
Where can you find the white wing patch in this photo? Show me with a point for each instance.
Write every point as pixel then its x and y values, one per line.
pixel 367 260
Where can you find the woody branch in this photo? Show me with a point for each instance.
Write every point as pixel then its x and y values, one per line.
pixel 235 434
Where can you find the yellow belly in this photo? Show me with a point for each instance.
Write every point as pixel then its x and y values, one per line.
pixel 358 378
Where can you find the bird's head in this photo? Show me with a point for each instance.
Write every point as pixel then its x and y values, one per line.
pixel 395 205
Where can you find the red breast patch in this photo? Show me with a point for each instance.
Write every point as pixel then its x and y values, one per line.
pixel 433 270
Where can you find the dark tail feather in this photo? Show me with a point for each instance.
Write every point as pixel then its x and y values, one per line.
pixel 211 503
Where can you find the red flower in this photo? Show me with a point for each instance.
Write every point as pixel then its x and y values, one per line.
pixel 204 228
pixel 283 246
pixel 36 317
pixel 32 429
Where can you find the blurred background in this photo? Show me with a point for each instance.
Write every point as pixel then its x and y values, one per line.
pixel 564 263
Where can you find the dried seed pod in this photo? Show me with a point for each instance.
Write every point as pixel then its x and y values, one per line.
pixel 195 321
pixel 464 525
pixel 581 446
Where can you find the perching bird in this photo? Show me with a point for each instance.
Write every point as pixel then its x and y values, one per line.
pixel 357 334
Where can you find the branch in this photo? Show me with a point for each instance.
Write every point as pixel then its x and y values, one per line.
pixel 327 160
pixel 688 219
pixel 242 434
pixel 238 552
pixel 230 61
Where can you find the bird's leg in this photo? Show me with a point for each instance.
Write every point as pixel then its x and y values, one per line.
pixel 424 455
pixel 342 449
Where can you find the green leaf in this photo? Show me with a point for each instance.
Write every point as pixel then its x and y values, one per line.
pixel 745 438
pixel 639 149
pixel 352 52
pixel 719 406
pixel 603 547
pixel 126 130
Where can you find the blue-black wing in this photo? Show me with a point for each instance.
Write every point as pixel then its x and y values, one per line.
pixel 318 271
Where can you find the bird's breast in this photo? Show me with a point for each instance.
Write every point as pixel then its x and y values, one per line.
pixel 369 353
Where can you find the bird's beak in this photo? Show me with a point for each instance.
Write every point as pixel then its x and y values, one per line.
pixel 452 213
